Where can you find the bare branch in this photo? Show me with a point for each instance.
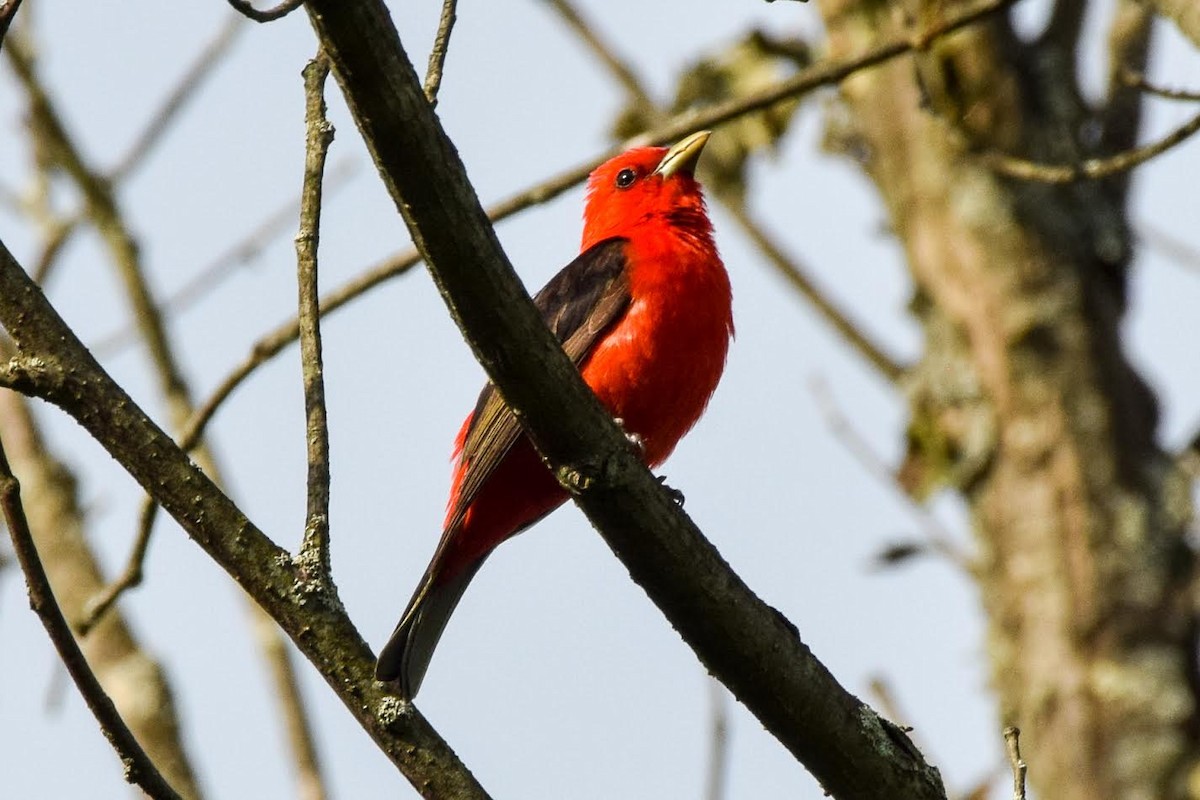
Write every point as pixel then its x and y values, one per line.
pixel 310 783
pixel 103 211
pixel 208 59
pixel 939 538
pixel 1183 253
pixel 129 578
pixel 616 65
pixel 437 57
pixel 802 282
pixel 1089 169
pixel 1012 743
pixel 311 616
pixel 1135 79
pixel 53 242
pixel 314 551
pixel 237 256
pixel 132 678
pixel 139 769
pixel 246 9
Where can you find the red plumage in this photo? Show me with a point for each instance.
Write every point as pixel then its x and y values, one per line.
pixel 645 311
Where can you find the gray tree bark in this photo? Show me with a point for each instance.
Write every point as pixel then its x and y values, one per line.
pixel 1024 401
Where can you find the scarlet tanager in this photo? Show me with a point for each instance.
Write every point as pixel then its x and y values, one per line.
pixel 645 312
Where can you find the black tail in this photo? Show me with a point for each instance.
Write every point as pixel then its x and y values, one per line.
pixel 406 656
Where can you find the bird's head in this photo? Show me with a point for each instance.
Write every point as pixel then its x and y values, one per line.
pixel 645 184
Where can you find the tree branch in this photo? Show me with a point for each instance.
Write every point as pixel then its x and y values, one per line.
pixel 53 364
pixel 103 210
pixel 139 769
pixel 185 89
pixel 314 551
pixel 1090 169
pixel 246 9
pixel 437 56
pixel 743 641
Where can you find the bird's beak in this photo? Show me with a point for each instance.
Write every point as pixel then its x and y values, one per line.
pixel 682 157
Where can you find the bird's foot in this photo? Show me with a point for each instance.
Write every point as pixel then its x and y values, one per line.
pixel 675 494
pixel 634 439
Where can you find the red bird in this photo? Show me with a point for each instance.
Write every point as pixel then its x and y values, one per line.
pixel 645 311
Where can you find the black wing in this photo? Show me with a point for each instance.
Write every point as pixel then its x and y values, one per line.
pixel 578 304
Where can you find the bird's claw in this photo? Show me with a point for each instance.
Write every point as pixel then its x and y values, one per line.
pixel 634 439
pixel 675 494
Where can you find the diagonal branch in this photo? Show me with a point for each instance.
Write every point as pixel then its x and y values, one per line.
pixel 139 769
pixel 54 365
pixel 1090 169
pixel 185 90
pixel 747 644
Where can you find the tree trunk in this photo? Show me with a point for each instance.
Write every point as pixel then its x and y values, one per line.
pixel 1025 403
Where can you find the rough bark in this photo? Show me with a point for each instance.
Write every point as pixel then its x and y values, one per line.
pixel 1025 403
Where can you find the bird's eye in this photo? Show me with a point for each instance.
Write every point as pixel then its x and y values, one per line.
pixel 625 178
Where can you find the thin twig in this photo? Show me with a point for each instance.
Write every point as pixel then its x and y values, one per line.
pixel 139 769
pixel 238 255
pixel 1185 254
pixel 130 577
pixel 802 282
pixel 939 538
pixel 54 241
pixel 1092 168
pixel 280 11
pixel 314 550
pixel 1012 742
pixel 441 44
pixel 616 65
pixel 208 59
pixel 1137 80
